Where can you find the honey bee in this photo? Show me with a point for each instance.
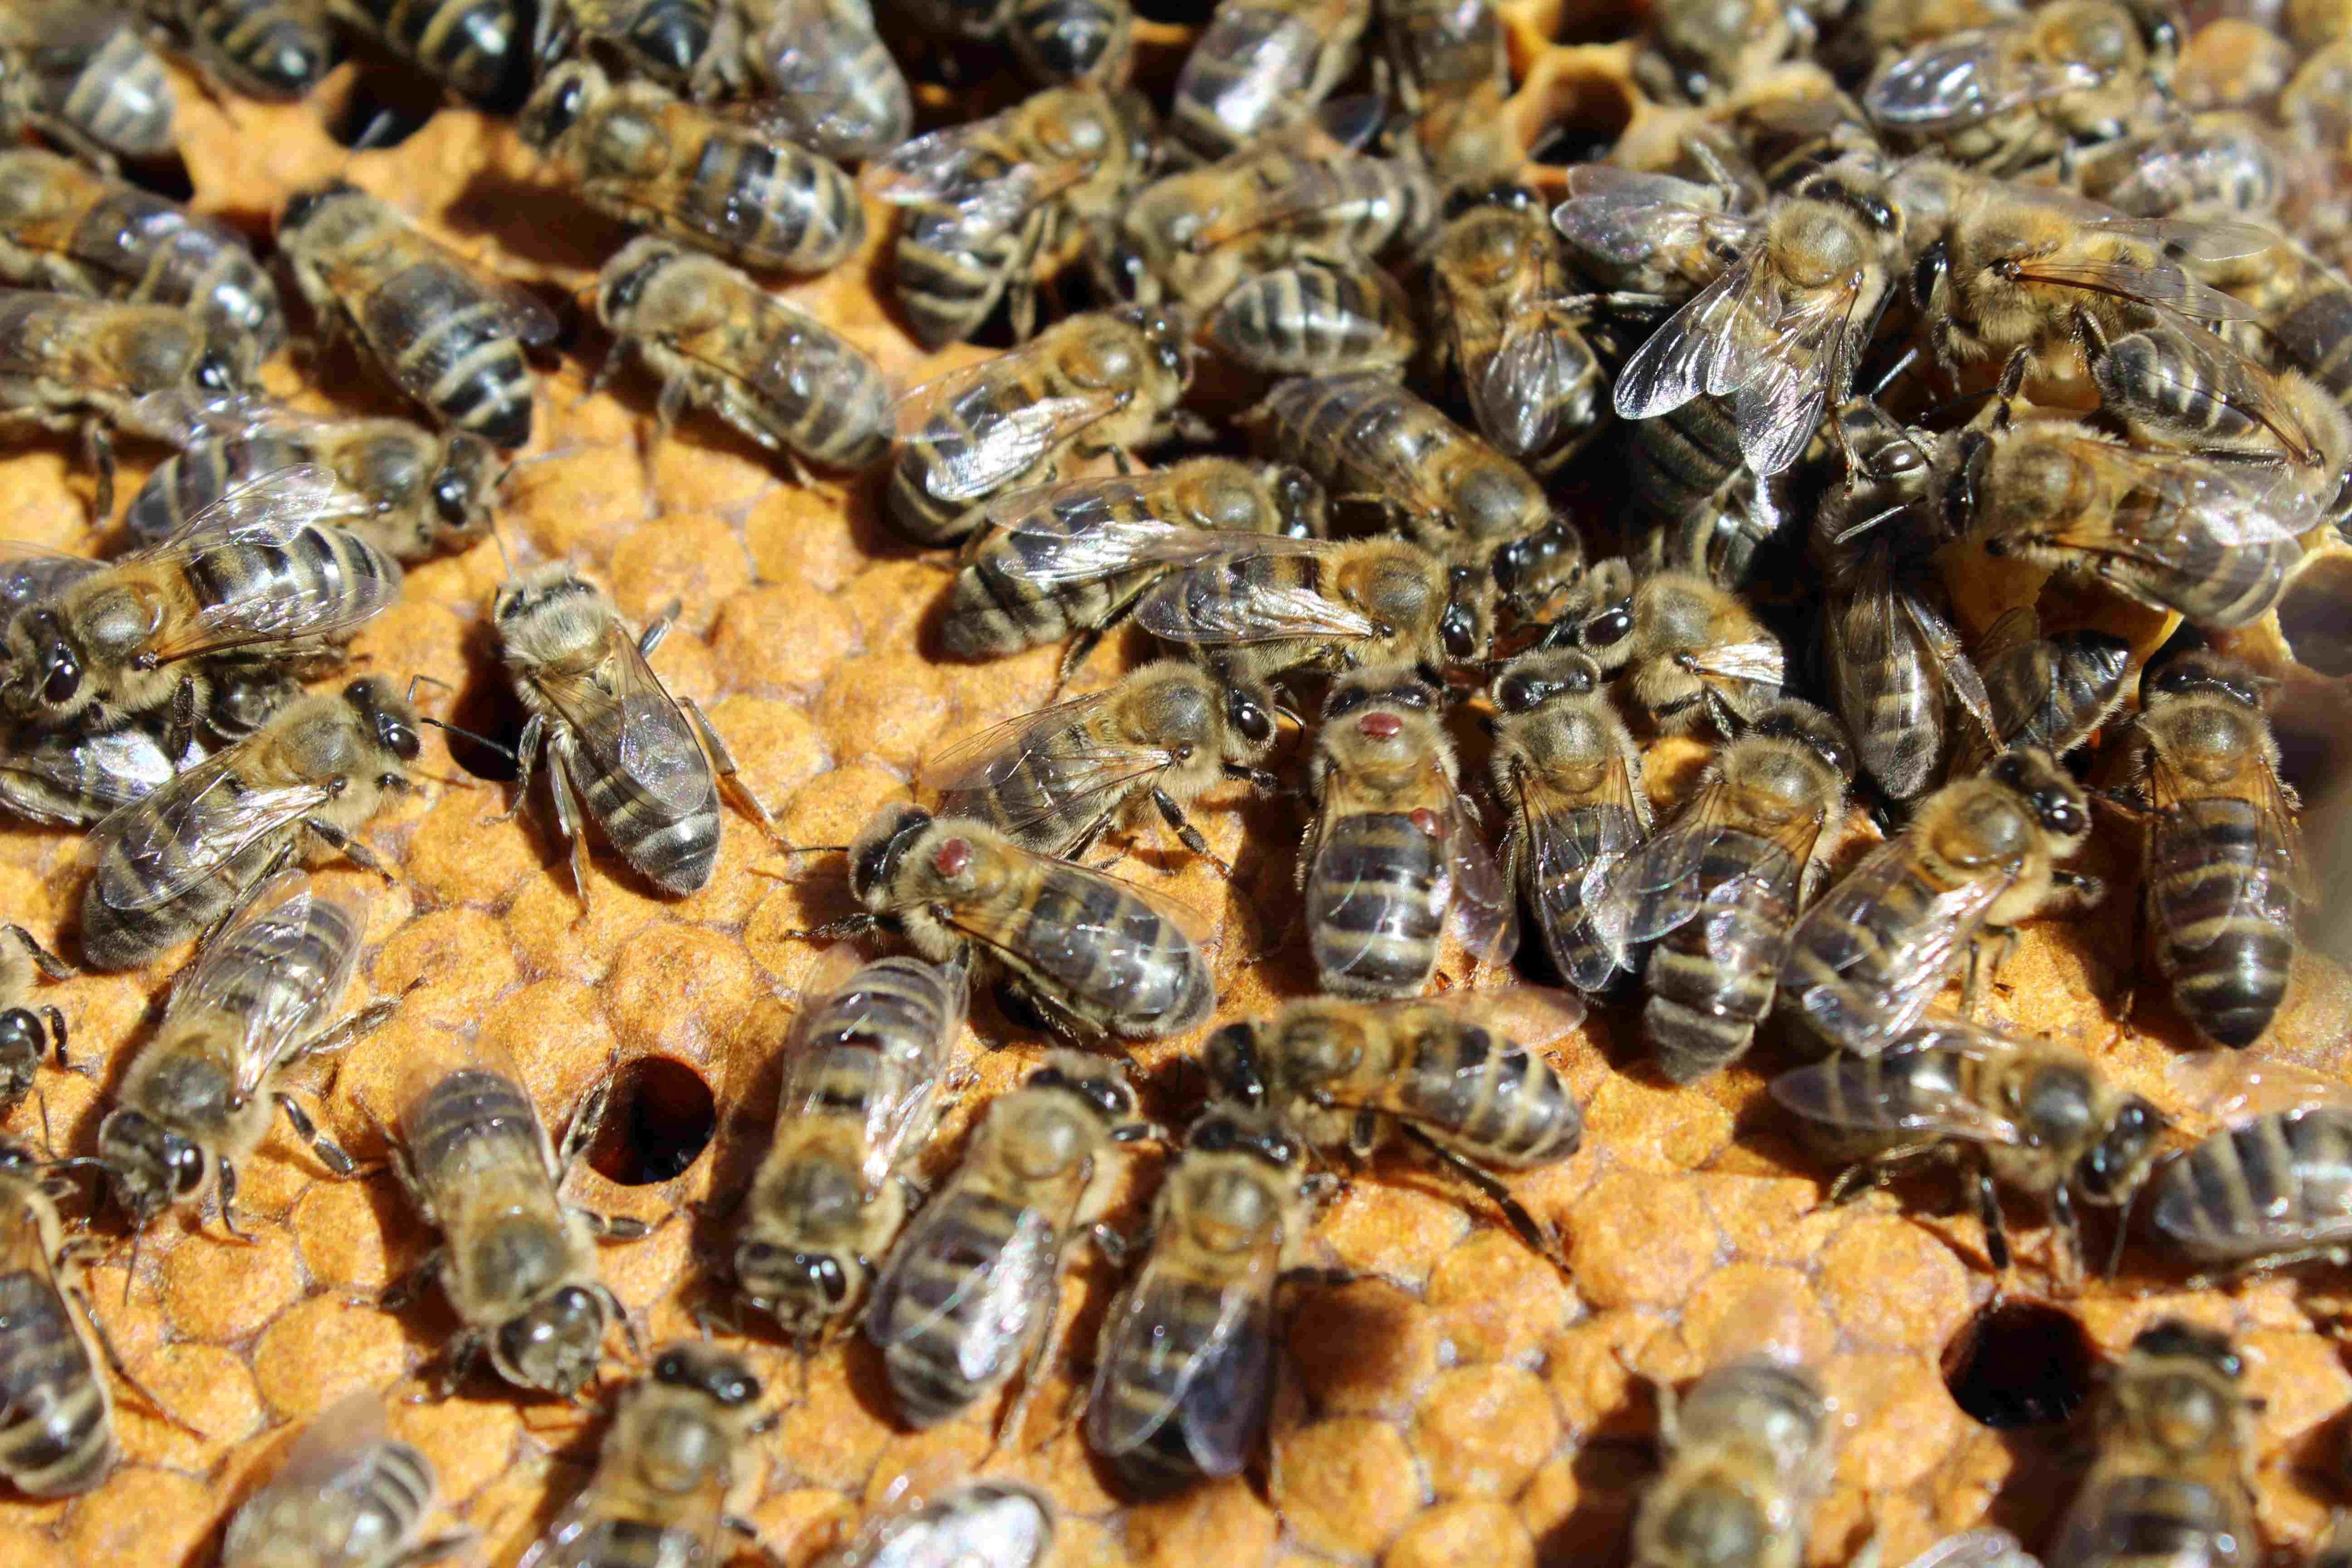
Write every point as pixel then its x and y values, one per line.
pixel 1184 1366
pixel 828 78
pixel 96 367
pixel 57 1414
pixel 1690 652
pixel 168 863
pixel 1779 331
pixel 1395 852
pixel 1569 778
pixel 2221 166
pixel 1363 436
pixel 66 228
pixel 716 339
pixel 25 1037
pixel 971 1290
pixel 2267 1194
pixel 517 1263
pixel 84 76
pixel 2048 692
pixel 201 1095
pixel 67 779
pixel 992 205
pixel 1319 317
pixel 1511 328
pixel 350 1495
pixel 419 493
pixel 2225 870
pixel 263 48
pixel 469 45
pixel 1073 560
pixel 2175 1452
pixel 1071 40
pixel 620 748
pixel 1717 889
pixel 1101 382
pixel 1978 857
pixel 2005 97
pixel 449 337
pixel 2311 320
pixel 1453 67
pixel 1748 1453
pixel 1093 954
pixel 254 584
pixel 635 152
pixel 669 41
pixel 1052 781
pixel 1653 237
pixel 1281 605
pixel 1462 1078
pixel 2231 62
pixel 678 1445
pixel 2021 1112
pixel 1262 66
pixel 862 1093
pixel 985 1523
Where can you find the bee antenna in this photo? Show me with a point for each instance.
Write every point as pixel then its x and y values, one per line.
pixel 1857 530
pixel 483 741
pixel 132 1272
pixel 498 538
pixel 420 676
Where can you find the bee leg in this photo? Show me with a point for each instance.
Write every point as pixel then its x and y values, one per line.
pixel 411 1285
pixel 1090 638
pixel 1988 1216
pixel 722 761
pixel 2070 1229
pixel 527 750
pixel 562 769
pixel 457 1366
pixel 228 1202
pixel 1186 834
pixel 51 966
pixel 331 1153
pixel 612 1304
pixel 98 445
pixel 1533 1231
pixel 617 1227
pixel 834 931
pixel 351 849
pixel 2254 1268
pixel 587 1120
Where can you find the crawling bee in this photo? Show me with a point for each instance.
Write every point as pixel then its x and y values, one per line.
pixel 2267 1193
pixel 168 865
pixel 1363 436
pixel 716 339
pixel 1320 316
pixel 1281 605
pixel 57 1414
pixel 1689 652
pixel 447 336
pixel 638 154
pixel 2225 871
pixel 991 206
pixel 1454 72
pixel 254 580
pixel 1184 1366
pixel 1718 888
pixel 2025 1114
pixel 72 780
pixel 669 41
pixel 413 493
pixel 470 46
pixel 65 227
pixel 25 1037
pixel 201 1095
pixel 1461 1079
pixel 1053 781
pixel 1980 855
pixel 350 1495
pixel 1093 954
pixel 263 48
pixel 84 76
pixel 1511 328
pixel 984 1523
pixel 2175 1453
pixel 1395 852
pixel 96 367
pixel 1569 778
pixel 2051 692
pixel 1075 559
pixel 827 77
pixel 641 764
pixel 1090 384
pixel 971 1290
pixel 517 1263
pixel 861 1096
pixel 1260 64
pixel 676 1447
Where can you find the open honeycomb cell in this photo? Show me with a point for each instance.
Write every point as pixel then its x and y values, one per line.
pixel 1448 1398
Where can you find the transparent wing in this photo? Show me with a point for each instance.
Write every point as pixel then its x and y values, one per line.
pixel 1706 860
pixel 101 773
pixel 837 1003
pixel 277 966
pixel 1965 78
pixel 1306 195
pixel 1962 677
pixel 1080 768
pixel 1981 1548
pixel 336 1452
pixel 1625 218
pixel 1001 1294
pixel 1219 601
pixel 1876 1094
pixel 1520 396
pixel 1485 912
pixel 1216 1387
pixel 628 724
pixel 2199 376
pixel 2160 281
pixel 1780 381
pixel 270 509
pixel 2172 509
pixel 1083 529
pixel 1678 362
pixel 1275 50
pixel 1907 969
pixel 31 573
pixel 964 168
pixel 429 1056
pixel 190 829
pixel 1076 941
pixel 981 433
pixel 1759 662
pixel 1571 871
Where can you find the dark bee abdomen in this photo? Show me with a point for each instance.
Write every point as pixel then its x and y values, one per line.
pixel 1372 910
pixel 1312 321
pixel 1711 978
pixel 2278 1182
pixel 995 609
pixel 670 35
pixel 962 424
pixel 2228 971
pixel 1231 1394
pixel 770 204
pixel 896 1007
pixel 270 962
pixel 116 933
pixel 194 478
pixel 56 1437
pixel 272 48
pixel 946 285
pixel 2152 1521
pixel 674 847
pixel 794 383
pixel 452 1127
pixel 121 98
pixel 1135 975
pixel 1568 936
pixel 959 1310
pixel 439 332
pixel 1888 691
pixel 157 255
pixel 315 563
pixel 2213 583
pixel 1489 1099
pixel 2316 333
pixel 467 43
pixel 1070 40
pixel 1835 1000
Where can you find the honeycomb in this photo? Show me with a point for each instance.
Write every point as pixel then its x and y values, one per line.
pixel 1448 1397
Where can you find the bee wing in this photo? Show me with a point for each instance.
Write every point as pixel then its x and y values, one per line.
pixel 1533 1017
pixel 2271 882
pixel 1569 875
pixel 842 989
pixel 963 168
pixel 33 571
pixel 1847 1091
pixel 1980 1547
pixel 1837 931
pixel 1000 442
pixel 1209 604
pixel 337 1451
pixel 190 829
pixel 1679 361
pixel 1274 48
pixel 2205 372
pixel 1760 663
pixel 270 509
pixel 428 1058
pixel 1484 911
pixel 1003 1291
pixel 1306 195
pixel 2164 282
pixel 1647 895
pixel 964 774
pixel 1781 380
pixel 1625 218
pixel 279 962
pixel 2175 510
pixel 1076 941
pixel 1071 533
pixel 1965 78
pixel 1960 676
pixel 1214 1391
pixel 628 724
pixel 105 771
pixel 1518 397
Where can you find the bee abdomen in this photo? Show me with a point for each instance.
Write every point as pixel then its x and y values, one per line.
pixel 170 260
pixel 280 50
pixel 1678 463
pixel 2228 969
pixel 56 1434
pixel 671 35
pixel 315 560
pixel 1711 979
pixel 1153 983
pixel 1188 1312
pixel 945 1343
pixel 674 849
pixel 1491 1101
pixel 993 611
pixel 465 1112
pixel 948 287
pixel 457 347
pixel 1371 912
pixel 191 480
pixel 2283 1174
pixel 1311 321
pixel 2154 1521
pixel 122 99
pixel 773 205
pixel 467 43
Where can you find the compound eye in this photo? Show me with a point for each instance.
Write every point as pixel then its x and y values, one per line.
pixel 1610 628
pixel 187 1168
pixel 1459 632
pixel 65 679
pixel 452 497
pixel 1249 721
pixel 1518 694
pixel 1217 1137
pixel 671 1368
pixel 2058 815
pixel 216 373
pixel 397 738
pixel 826 1271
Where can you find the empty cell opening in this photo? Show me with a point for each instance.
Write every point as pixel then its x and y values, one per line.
pixel 2019 1364
pixel 659 1121
pixel 2312 616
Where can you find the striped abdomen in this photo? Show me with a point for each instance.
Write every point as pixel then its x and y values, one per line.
pixel 156 254
pixel 2214 581
pixel 120 98
pixel 1375 905
pixel 995 607
pixel 2317 334
pixel 123 927
pixel 2050 693
pixel 56 1427
pixel 958 1311
pixel 787 381
pixel 615 1540
pixel 2274 1183
pixel 1835 968
pixel 317 565
pixel 946 284
pixel 1678 466
pixel 674 846
pixel 2155 1520
pixel 1051 809
pixel 1233 1394
pixel 1147 981
pixel 1554 887
pixel 766 204
pixel 279 965
pixel 1711 978
pixel 449 345
pixel 972 417
pixel 2227 961
pixel 72 780
pixel 1888 686
pixel 191 480
pixel 1313 321
pixel 1487 1098
pixel 668 36
pixel 271 49
pixel 469 43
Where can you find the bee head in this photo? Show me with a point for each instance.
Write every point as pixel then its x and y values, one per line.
pixel 1066 42
pixel 16 1160
pixel 1811 728
pixel 1121 268
pixel 1225 1129
pixel 706 1369
pixel 1104 1091
pixel 556 107
pixel 1530 566
pixel 1533 679
pixel 553 1343
pixel 881 848
pixel 23 1040
pixel 303 206
pixel 2173 1340
pixel 2112 1168
pixel 628 275
pixel 1509 194
pixel 1249 715
pixel 383 717
pixel 802 1291
pixel 1236 1066
pixel 2056 801
pixel 148 1166
pixel 49 662
pixel 1463 628
pixel 2205 673
pixel 458 488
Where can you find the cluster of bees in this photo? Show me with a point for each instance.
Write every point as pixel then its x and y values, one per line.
pixel 1883 296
